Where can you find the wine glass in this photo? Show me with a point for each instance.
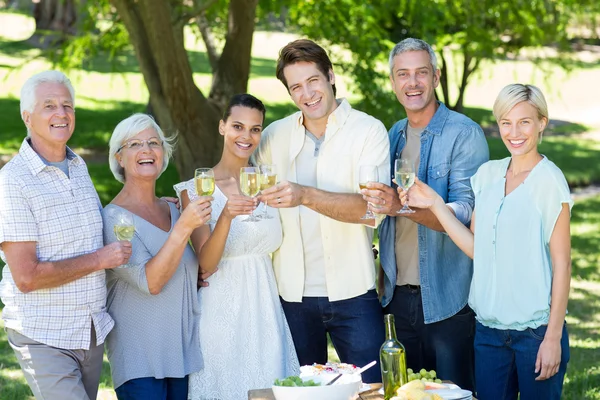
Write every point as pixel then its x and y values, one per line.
pixel 366 174
pixel 404 171
pixel 124 228
pixel 268 178
pixel 250 186
pixel 204 182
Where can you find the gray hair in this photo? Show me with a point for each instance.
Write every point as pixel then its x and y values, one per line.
pixel 28 96
pixel 127 129
pixel 411 44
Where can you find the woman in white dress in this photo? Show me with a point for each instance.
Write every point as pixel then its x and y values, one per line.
pixel 244 337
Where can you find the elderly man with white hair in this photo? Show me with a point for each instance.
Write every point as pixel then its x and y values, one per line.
pixel 53 285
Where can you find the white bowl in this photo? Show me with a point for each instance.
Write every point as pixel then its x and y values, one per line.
pixel 345 388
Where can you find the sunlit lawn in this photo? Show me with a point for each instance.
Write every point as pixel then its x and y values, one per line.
pixel 105 97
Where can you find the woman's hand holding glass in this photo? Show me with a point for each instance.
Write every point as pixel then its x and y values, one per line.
pixel 404 174
pixel 196 213
pixel 420 195
pixel 204 184
pixel 250 186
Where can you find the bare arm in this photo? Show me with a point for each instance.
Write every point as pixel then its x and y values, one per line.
pixel 384 200
pixel 422 196
pixel 549 354
pixel 210 246
pixel 31 274
pixel 160 268
pixel 343 207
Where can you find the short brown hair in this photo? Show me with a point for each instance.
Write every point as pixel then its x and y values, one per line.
pixel 303 50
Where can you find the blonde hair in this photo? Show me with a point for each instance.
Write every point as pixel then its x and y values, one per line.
pixel 127 129
pixel 516 93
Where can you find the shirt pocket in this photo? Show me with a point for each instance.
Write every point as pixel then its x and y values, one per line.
pixel 439 171
pixel 438 178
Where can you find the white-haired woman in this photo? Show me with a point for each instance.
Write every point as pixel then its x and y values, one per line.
pixel 521 254
pixel 154 345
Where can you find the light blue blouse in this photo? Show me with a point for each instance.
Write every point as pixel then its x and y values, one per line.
pixel 512 277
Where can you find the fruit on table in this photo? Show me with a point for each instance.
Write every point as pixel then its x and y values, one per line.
pixel 422 375
pixel 415 390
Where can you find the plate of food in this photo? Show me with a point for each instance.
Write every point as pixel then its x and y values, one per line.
pixel 315 388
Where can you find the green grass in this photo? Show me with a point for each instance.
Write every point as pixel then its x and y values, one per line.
pixel 109 91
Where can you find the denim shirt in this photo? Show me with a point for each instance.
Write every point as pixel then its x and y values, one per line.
pixel 452 149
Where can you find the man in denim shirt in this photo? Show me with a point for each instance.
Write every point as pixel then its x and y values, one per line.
pixel 426 277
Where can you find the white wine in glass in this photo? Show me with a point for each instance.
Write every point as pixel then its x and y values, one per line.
pixel 404 172
pixel 366 174
pixel 124 228
pixel 268 178
pixel 250 186
pixel 204 182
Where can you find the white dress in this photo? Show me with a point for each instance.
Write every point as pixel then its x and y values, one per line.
pixel 244 337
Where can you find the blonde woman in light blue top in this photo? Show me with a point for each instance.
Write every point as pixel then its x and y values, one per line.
pixel 521 256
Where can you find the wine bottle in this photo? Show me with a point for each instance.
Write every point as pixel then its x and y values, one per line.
pixel 392 360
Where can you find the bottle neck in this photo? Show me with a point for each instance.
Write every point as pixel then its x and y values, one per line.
pixel 390 327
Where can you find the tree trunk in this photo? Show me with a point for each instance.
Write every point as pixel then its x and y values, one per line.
pixel 176 101
pixel 233 69
pixel 54 20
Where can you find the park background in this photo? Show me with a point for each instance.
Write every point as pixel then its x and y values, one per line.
pixel 125 57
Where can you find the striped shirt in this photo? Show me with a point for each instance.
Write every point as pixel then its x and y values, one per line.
pixel 39 203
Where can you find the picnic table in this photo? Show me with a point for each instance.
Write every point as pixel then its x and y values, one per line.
pixel 371 394
pixel 267 394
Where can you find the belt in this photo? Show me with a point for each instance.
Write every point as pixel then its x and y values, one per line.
pixel 412 287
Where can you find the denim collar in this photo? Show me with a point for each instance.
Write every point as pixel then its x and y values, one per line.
pixel 436 125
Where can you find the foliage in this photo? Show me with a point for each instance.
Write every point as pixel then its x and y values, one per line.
pixel 463 33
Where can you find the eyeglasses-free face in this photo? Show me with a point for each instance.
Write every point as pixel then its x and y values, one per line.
pixel 138 144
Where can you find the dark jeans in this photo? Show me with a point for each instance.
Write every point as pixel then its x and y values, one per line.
pixel 446 346
pixel 153 389
pixel 505 364
pixel 355 326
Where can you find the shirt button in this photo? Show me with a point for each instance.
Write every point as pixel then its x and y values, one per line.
pixel 493 242
pixel 494 226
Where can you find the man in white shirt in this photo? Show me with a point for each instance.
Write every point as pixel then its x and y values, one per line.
pixel 53 286
pixel 325 268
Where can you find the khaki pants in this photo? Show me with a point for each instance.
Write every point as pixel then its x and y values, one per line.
pixel 58 374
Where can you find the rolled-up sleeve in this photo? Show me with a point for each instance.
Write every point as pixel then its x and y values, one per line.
pixel 470 151
pixel 377 152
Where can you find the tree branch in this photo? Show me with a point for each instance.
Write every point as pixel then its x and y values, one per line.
pixel 444 78
pixel 199 9
pixel 209 41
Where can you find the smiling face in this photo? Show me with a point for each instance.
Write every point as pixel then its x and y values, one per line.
pixel 52 121
pixel 312 92
pixel 242 131
pixel 414 82
pixel 143 161
pixel 521 128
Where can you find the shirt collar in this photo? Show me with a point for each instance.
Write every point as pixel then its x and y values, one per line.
pixel 336 118
pixel 34 161
pixel 437 122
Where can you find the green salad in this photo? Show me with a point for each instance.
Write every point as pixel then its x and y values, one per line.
pixel 295 381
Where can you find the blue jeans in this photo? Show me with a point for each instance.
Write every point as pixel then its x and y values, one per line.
pixel 505 364
pixel 355 326
pixel 446 346
pixel 153 389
